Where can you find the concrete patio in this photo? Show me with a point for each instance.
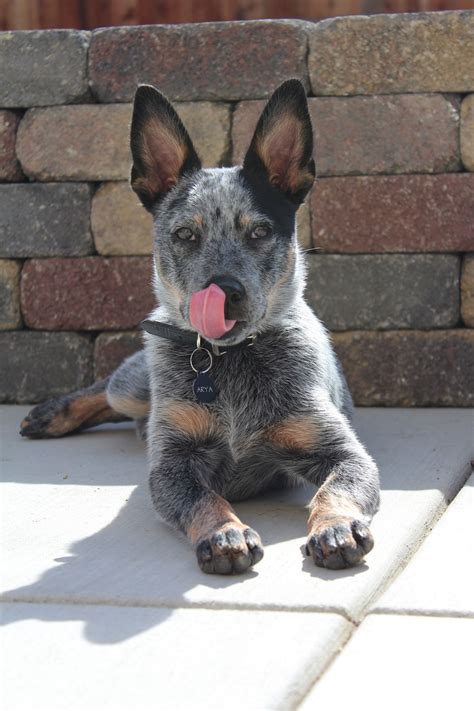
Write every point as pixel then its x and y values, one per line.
pixel 104 607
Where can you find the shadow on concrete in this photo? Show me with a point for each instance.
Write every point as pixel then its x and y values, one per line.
pixel 138 561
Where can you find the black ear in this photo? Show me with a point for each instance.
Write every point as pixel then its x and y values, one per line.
pixel 282 145
pixel 161 148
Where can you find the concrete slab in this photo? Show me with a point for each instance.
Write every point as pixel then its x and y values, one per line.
pixel 114 658
pixel 395 662
pixel 93 536
pixel 440 577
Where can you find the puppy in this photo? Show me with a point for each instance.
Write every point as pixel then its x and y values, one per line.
pixel 237 389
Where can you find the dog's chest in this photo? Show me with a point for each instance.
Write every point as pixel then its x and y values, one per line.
pixel 256 390
pixel 255 387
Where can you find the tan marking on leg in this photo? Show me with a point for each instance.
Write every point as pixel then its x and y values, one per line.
pixel 106 415
pixel 209 514
pixel 130 406
pixel 192 419
pixel 295 433
pixel 77 413
pixel 329 508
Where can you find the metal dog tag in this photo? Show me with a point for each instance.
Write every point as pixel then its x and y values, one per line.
pixel 205 388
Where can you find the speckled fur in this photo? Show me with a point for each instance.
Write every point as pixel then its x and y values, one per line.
pixel 290 373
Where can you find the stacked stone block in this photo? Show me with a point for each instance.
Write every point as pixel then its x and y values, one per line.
pixel 388 228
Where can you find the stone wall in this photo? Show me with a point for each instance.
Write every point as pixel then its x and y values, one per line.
pixel 391 215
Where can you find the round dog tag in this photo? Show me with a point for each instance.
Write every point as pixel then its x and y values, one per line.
pixel 205 388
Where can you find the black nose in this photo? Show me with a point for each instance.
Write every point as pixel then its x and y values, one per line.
pixel 235 300
pixel 233 289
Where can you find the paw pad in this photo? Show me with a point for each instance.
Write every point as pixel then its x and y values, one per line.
pixel 229 551
pixel 341 545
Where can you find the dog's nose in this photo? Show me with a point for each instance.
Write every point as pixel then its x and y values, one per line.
pixel 233 289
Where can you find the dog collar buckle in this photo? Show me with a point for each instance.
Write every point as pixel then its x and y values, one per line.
pixel 217 350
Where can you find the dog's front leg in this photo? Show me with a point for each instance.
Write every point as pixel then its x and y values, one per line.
pixel 186 456
pixel 338 525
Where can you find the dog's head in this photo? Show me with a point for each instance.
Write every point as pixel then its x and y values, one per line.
pixel 226 258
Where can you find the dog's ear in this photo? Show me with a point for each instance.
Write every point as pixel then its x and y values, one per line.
pixel 161 148
pixel 282 145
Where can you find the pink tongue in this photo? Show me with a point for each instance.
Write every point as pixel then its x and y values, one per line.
pixel 206 312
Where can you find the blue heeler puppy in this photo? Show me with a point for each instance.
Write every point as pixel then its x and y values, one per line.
pixel 238 389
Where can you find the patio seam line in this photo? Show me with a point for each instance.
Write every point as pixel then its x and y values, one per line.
pixel 402 564
pixel 412 612
pixel 356 620
pixel 330 661
pixel 230 607
pixel 341 649
pixel 308 683
pixel 365 611
pixel 441 509
pixel 310 676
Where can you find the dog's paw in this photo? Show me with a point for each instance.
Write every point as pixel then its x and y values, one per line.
pixel 339 545
pixel 229 550
pixel 46 420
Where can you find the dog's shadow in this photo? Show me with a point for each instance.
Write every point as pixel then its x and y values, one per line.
pixel 138 560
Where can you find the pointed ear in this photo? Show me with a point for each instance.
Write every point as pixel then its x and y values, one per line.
pixel 282 144
pixel 161 148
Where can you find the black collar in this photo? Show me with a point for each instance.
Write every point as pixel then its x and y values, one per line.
pixel 189 338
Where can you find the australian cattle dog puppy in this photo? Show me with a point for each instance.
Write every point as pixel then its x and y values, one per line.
pixel 237 389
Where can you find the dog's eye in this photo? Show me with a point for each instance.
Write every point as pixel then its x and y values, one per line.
pixel 185 234
pixel 261 231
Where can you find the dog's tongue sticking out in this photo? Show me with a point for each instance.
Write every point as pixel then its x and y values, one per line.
pixel 206 312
